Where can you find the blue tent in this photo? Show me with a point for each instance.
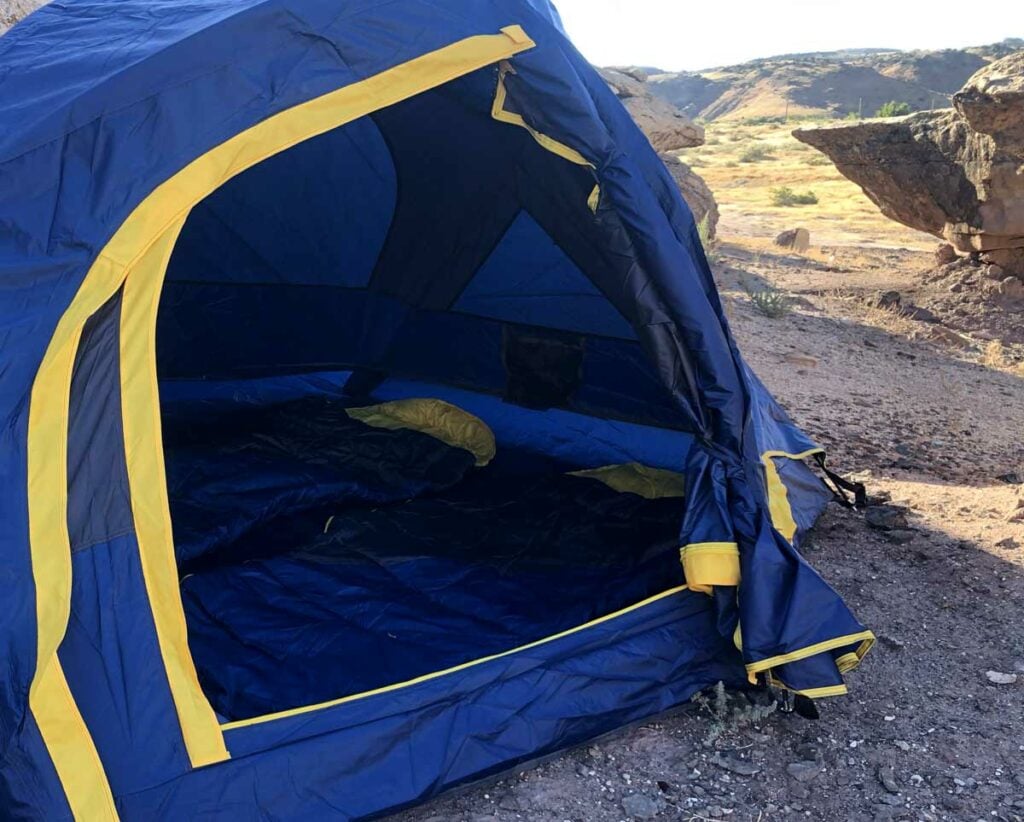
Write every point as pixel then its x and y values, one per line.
pixel 371 424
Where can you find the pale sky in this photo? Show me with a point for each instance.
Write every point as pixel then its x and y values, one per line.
pixel 695 34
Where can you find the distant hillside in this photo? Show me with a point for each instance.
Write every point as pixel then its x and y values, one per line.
pixel 827 84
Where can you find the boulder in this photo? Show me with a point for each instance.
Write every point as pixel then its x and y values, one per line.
pixel 669 130
pixel 887 299
pixel 695 191
pixel 953 173
pixel 797 239
pixel 666 127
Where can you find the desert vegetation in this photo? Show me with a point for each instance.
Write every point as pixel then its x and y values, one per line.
pixel 893 108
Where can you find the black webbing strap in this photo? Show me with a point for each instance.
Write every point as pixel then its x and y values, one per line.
pixel 840 487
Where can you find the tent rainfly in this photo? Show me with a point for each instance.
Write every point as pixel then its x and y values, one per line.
pixel 371 424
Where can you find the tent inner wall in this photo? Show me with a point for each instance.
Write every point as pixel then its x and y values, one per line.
pixel 424 241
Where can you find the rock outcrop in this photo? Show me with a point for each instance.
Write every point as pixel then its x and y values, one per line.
pixel 669 130
pixel 956 173
pixel 666 127
pixel 695 191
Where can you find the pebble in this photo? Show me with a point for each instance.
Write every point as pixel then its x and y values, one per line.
pixel 999 678
pixel 803 771
pixel 736 766
pixel 886 518
pixel 641 806
pixel 888 779
pixel 807 751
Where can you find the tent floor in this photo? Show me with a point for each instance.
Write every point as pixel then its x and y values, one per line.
pixel 344 602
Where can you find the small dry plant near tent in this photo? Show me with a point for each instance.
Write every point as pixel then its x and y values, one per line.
pixel 769 300
pixel 730 712
pixel 709 243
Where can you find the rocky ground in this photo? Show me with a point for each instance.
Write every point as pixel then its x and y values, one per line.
pixel 933 728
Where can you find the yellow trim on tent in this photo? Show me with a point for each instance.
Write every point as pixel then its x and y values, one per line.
pixel 811 693
pixel 498 112
pixel 305 709
pixel 707 564
pixel 154 223
pixel 70 745
pixel 865 638
pixel 64 733
pixel 148 486
pixel 778 497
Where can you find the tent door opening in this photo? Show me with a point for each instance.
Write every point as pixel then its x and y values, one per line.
pixel 388 441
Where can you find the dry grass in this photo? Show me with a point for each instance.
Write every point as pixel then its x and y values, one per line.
pixel 892 320
pixel 843 215
pixel 997 357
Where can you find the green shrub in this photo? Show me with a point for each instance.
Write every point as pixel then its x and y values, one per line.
pixel 763 121
pixel 893 108
pixel 755 154
pixel 785 196
pixel 769 301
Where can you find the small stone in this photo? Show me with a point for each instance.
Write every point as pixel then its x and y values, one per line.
pixel 736 766
pixel 994 272
pixel 797 239
pixel 1011 478
pixel 940 333
pixel 807 751
pixel 803 360
pixel 886 518
pixel 1012 288
pixel 915 312
pixel 803 771
pixel 900 536
pixel 999 678
pixel 888 779
pixel 887 299
pixel 1009 543
pixel 640 806
pixel 945 254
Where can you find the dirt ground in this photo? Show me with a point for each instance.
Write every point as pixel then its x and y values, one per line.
pixel 934 426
